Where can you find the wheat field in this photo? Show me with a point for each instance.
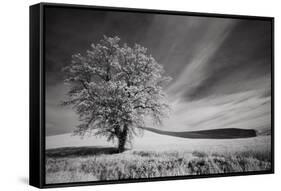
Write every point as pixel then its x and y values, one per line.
pixel 146 158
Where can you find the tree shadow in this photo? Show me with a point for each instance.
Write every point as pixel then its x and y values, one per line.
pixel 79 151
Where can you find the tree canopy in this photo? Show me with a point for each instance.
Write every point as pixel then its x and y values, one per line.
pixel 113 88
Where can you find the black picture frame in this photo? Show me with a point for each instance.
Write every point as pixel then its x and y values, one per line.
pixel 37 93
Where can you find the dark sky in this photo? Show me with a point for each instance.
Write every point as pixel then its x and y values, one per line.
pixel 205 56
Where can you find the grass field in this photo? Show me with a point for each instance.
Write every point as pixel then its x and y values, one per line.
pixel 152 155
pixel 141 164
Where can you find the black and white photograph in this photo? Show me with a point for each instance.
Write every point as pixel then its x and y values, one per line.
pixel 134 95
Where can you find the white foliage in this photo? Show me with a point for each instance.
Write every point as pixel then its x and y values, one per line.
pixel 113 85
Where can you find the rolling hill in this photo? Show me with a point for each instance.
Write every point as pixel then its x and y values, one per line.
pixel 153 139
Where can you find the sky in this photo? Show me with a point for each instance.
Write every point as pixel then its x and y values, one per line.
pixel 220 66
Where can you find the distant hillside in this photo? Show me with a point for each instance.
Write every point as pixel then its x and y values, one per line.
pixel 227 133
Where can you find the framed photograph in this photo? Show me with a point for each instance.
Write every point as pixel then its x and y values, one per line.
pixel 122 95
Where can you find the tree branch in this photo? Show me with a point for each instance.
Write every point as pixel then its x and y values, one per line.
pixel 87 89
pixel 144 107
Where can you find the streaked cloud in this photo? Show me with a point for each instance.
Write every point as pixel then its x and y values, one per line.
pixel 194 72
pixel 246 110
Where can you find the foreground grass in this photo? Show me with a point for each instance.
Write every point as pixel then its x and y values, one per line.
pixel 143 164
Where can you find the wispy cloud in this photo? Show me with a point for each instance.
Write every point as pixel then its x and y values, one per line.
pixel 194 73
pixel 246 110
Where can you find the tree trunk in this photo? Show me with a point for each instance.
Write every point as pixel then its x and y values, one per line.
pixel 122 139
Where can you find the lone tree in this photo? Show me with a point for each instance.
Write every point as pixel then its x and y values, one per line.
pixel 113 88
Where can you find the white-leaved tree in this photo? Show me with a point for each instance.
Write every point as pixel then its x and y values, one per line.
pixel 113 88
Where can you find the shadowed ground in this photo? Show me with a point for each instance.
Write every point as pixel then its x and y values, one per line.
pixel 79 151
pixel 228 133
